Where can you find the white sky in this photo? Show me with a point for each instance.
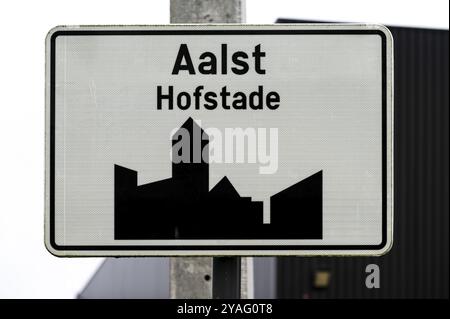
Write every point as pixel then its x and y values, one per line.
pixel 27 270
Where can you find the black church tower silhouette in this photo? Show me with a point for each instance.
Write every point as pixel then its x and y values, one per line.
pixel 183 207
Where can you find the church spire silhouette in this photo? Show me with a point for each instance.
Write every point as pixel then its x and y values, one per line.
pixel 190 157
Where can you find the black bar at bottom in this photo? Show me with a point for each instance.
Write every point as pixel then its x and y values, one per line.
pixel 226 278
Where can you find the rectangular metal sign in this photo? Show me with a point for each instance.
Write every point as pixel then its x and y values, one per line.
pixel 219 140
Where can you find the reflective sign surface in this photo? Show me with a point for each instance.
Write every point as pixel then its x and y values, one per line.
pixel 217 140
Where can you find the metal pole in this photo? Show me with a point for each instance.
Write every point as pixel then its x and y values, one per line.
pixel 205 277
pixel 226 277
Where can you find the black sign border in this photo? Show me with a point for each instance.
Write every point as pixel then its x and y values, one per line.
pixel 214 247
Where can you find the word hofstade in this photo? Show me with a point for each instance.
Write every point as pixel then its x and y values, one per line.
pixel 208 64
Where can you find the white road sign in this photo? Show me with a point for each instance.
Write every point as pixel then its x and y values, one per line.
pixel 219 140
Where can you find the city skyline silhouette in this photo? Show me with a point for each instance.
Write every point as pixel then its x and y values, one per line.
pixel 183 206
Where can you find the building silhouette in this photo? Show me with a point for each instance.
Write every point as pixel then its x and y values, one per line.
pixel 183 207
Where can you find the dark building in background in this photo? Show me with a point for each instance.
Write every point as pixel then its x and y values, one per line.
pixel 183 207
pixel 418 264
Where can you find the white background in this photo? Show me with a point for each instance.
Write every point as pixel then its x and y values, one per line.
pixel 328 120
pixel 27 270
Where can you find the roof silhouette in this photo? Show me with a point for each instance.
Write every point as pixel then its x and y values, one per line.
pixel 225 189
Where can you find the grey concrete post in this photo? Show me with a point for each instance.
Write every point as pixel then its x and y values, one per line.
pixel 191 277
pixel 207 11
